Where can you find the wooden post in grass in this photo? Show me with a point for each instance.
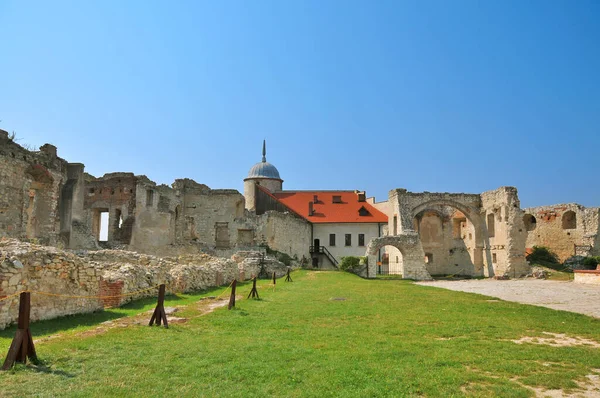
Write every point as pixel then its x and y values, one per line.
pixel 253 292
pixel 232 297
pixel 288 278
pixel 22 345
pixel 159 312
pixel 274 278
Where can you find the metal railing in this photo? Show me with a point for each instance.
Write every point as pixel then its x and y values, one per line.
pixel 323 250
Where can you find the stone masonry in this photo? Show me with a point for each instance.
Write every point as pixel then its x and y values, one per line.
pixel 43 269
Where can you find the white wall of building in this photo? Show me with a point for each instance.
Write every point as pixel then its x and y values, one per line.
pixel 322 232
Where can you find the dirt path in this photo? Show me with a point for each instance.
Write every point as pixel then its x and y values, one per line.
pixel 558 295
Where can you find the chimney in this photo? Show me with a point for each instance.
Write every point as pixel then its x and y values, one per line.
pixel 311 211
pixel 315 199
pixel 362 196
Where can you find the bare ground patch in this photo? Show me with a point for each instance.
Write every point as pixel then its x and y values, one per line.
pixel 558 340
pixel 588 387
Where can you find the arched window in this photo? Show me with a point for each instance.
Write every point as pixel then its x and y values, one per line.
pixel 530 222
pixel 569 220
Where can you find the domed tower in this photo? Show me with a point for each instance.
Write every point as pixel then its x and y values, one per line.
pixel 263 174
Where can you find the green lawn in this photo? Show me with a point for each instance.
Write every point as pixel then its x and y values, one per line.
pixel 387 338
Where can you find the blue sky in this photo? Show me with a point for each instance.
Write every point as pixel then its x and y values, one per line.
pixel 450 96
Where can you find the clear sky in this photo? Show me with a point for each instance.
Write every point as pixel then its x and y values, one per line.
pixel 450 96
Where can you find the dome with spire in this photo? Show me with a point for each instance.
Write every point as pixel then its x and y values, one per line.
pixel 264 169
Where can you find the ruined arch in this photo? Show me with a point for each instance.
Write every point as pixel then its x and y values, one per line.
pixel 409 246
pixel 470 213
pixel 449 238
pixel 475 250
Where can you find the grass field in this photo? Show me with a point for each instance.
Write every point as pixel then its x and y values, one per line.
pixel 325 334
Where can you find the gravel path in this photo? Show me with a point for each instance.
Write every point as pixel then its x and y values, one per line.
pixel 566 296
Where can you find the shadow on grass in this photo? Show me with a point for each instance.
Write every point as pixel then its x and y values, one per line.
pixel 69 322
pixel 65 323
pixel 40 366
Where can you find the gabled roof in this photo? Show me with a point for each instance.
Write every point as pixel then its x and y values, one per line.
pixel 347 210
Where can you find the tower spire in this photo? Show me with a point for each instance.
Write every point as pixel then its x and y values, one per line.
pixel 264 158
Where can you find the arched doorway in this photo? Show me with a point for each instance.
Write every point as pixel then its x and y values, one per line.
pixel 409 246
pixel 389 261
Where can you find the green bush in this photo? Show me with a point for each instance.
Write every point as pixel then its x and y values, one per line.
pixel 543 256
pixel 591 262
pixel 349 263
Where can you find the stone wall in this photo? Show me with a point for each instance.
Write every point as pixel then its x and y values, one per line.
pixel 42 269
pixel 461 234
pixel 504 240
pixel 31 192
pixel 409 244
pixel 27 266
pixel 562 227
pixel 283 232
pixel 448 240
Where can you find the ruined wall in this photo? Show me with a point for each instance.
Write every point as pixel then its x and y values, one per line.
pixel 562 227
pixel 470 234
pixel 31 190
pixel 158 211
pixel 42 269
pixel 448 240
pixel 115 194
pixel 504 250
pixel 452 252
pixel 210 213
pixel 409 244
pixel 25 266
pixel 283 232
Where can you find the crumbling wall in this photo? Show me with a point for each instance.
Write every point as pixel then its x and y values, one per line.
pixel 504 251
pixel 157 212
pixel 405 208
pixel 114 193
pixel 448 240
pixel 409 245
pixel 30 192
pixel 25 266
pixel 42 269
pixel 563 227
pixel 210 213
pixel 283 232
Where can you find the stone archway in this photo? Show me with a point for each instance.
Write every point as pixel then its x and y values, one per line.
pixel 473 215
pixel 412 255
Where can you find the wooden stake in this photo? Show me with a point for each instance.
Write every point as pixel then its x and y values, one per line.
pixel 274 278
pixel 253 292
pixel 22 345
pixel 159 312
pixel 288 278
pixel 232 297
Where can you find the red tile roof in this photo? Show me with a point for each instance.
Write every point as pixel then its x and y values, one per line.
pixel 325 211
